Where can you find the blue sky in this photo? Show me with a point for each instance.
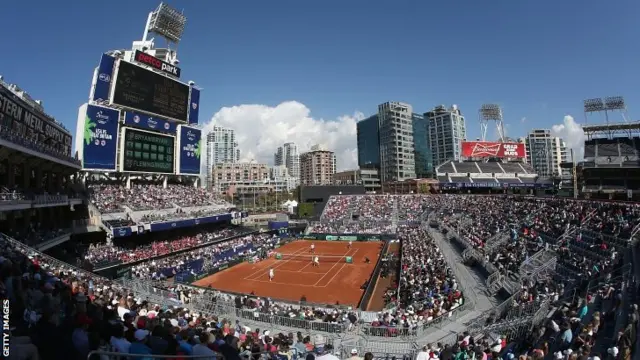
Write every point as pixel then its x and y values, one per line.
pixel 538 59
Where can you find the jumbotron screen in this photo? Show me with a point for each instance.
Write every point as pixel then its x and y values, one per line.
pixel 148 152
pixel 141 89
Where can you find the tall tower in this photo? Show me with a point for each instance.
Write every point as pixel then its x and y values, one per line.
pixel 221 148
pixel 397 158
pixel 491 113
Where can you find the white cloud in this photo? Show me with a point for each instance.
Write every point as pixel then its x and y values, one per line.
pixel 572 134
pixel 260 129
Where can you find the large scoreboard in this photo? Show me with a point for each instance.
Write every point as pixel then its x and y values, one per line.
pixel 139 119
pixel 147 152
pixel 150 92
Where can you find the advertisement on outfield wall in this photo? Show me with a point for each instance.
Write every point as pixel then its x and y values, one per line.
pixel 103 82
pixel 479 149
pixel 190 146
pixel 100 138
pixel 147 122
pixel 194 105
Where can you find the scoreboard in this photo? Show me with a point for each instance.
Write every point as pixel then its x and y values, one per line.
pixel 145 90
pixel 144 151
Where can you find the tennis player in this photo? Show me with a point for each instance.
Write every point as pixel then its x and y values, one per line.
pixel 312 248
pixel 271 274
pixel 316 261
pixel 350 244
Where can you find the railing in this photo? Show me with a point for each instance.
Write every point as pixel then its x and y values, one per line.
pixel 12 197
pixel 49 199
pixel 110 355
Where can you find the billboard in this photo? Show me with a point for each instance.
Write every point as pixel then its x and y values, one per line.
pixel 147 122
pixel 100 138
pixel 146 152
pixel 476 149
pixel 140 89
pixel 154 62
pixel 22 120
pixel 189 146
pixel 194 108
pixel 103 80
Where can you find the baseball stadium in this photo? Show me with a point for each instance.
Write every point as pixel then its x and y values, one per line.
pixel 119 252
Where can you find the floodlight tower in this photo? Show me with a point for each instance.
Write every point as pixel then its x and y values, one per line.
pixel 491 113
pixel 168 23
pixel 605 105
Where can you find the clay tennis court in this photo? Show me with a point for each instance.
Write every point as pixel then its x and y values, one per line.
pixel 333 281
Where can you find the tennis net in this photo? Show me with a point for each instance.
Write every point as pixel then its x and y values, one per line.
pixel 310 257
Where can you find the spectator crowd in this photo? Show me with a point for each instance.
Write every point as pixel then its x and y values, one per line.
pixel 60 312
pixel 111 197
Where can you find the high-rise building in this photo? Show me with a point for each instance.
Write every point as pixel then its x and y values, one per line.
pixel 422 150
pixel 545 153
pixel 368 142
pixel 397 158
pixel 317 166
pixel 288 156
pixel 221 148
pixel 446 132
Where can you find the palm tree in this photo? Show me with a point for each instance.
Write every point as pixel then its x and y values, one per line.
pixel 88 129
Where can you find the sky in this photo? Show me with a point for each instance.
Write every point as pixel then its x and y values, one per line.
pixel 307 71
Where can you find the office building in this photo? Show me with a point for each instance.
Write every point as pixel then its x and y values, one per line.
pixel 446 131
pixel 545 153
pixel 282 180
pixel 228 176
pixel 317 166
pixel 221 148
pixel 288 156
pixel 422 150
pixel 368 142
pixel 367 177
pixel 397 158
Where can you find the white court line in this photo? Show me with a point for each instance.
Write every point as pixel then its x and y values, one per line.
pixel 289 284
pixel 248 277
pixel 334 265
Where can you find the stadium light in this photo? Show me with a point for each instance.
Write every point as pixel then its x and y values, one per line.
pixel 593 105
pixel 491 112
pixel 168 23
pixel 614 103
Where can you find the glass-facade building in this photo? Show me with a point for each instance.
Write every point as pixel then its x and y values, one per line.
pixel 422 149
pixel 368 138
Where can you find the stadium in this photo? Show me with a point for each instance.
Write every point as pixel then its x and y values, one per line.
pixel 119 253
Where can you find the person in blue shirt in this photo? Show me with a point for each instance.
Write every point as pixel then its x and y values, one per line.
pixel 139 346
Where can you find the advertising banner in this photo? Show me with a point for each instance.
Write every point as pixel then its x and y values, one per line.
pixel 154 62
pixel 26 121
pixel 122 232
pixel 103 82
pixel 147 122
pixel 479 149
pixel 194 106
pixel 275 225
pixel 162 226
pixel 457 185
pixel 100 138
pixel 189 145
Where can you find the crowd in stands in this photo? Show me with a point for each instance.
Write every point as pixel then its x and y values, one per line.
pixel 428 288
pixel 109 253
pixel 111 197
pixel 201 260
pixel 181 214
pixel 59 312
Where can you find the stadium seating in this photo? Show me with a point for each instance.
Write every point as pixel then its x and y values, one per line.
pixel 113 198
pixel 589 295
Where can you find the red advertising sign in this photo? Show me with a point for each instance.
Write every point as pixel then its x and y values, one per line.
pixel 475 149
pixel 165 67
